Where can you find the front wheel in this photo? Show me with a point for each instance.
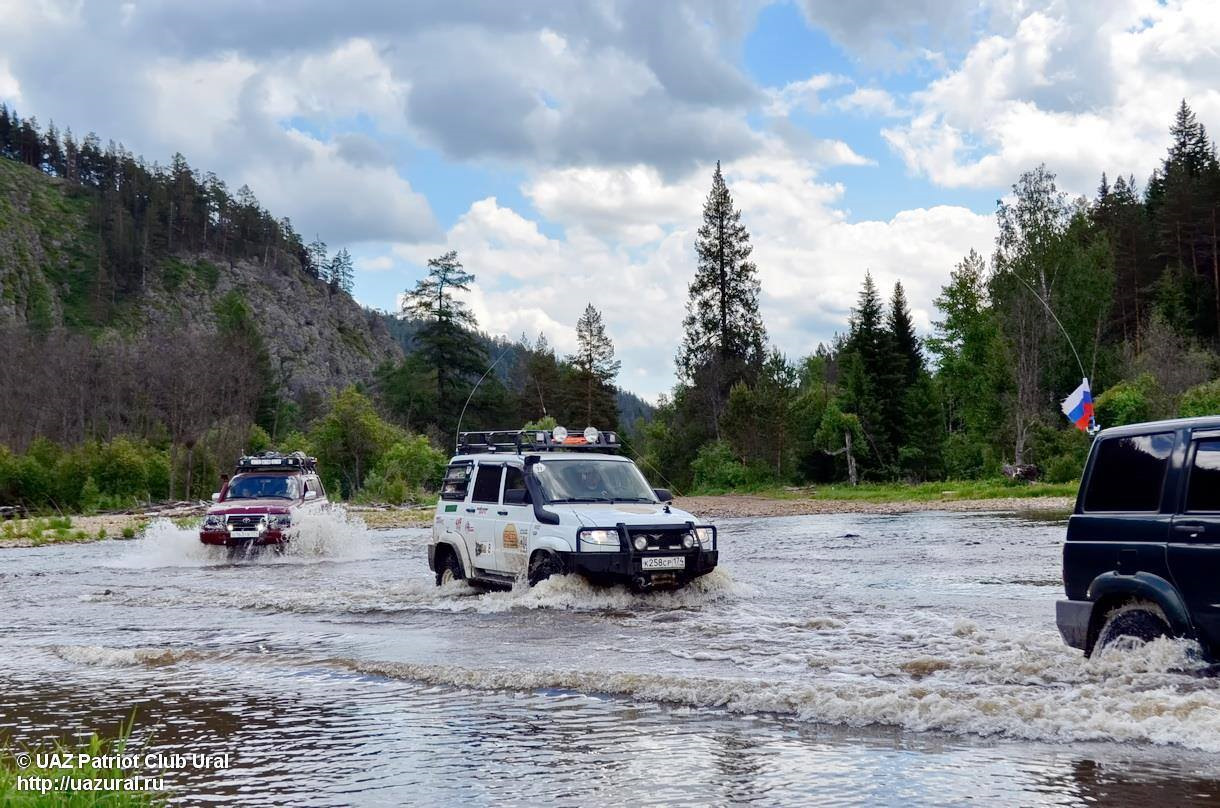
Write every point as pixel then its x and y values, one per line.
pixel 1133 623
pixel 449 571
pixel 543 566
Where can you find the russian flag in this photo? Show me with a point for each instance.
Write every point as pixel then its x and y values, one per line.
pixel 1078 407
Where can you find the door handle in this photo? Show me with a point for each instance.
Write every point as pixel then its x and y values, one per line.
pixel 502 513
pixel 1191 529
pixel 470 510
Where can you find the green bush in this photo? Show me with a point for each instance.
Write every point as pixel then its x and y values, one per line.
pixel 1063 469
pixel 259 440
pixel 716 469
pixel 120 470
pixel 1129 402
pixel 965 459
pixel 90 496
pixel 1203 399
pixel 407 468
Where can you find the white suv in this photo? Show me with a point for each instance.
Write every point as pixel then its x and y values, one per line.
pixel 532 504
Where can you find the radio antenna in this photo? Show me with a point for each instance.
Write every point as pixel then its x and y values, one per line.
pixel 457 437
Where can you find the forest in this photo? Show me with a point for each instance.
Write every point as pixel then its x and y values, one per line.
pixel 100 389
pixel 1123 289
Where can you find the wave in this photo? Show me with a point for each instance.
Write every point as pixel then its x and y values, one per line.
pixel 1140 696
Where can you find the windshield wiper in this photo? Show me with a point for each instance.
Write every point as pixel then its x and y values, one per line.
pixel 583 499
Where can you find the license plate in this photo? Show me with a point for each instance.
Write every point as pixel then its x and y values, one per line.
pixel 244 534
pixel 663 563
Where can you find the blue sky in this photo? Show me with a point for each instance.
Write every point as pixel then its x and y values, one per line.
pixel 564 149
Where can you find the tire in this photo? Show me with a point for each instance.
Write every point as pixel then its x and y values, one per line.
pixel 450 570
pixel 543 566
pixel 1139 621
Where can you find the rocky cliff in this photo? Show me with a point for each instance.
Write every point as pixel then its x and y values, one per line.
pixel 53 273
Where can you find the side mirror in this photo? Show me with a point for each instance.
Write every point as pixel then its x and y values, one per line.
pixel 216 496
pixel 311 495
pixel 516 496
pixel 663 494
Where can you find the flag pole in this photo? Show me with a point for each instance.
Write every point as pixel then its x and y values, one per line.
pixel 1093 427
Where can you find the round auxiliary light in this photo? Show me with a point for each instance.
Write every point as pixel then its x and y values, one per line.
pixel 591 434
pixel 640 543
pixel 559 434
pixel 688 541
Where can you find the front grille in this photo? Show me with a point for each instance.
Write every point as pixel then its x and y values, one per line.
pixel 661 539
pixel 245 521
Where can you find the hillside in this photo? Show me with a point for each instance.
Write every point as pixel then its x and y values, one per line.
pixel 54 272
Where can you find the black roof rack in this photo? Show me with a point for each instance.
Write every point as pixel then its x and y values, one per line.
pixel 517 441
pixel 274 461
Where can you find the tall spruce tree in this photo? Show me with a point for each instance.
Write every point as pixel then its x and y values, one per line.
pixel 724 336
pixel 908 353
pixel 870 373
pixel 447 337
pixel 595 370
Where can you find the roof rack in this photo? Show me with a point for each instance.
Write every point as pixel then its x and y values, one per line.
pixel 517 441
pixel 274 461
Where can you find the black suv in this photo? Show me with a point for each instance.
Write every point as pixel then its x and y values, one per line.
pixel 1142 557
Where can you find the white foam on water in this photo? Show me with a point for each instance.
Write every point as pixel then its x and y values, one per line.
pixel 363 596
pixel 102 656
pixel 332 534
pixel 1141 696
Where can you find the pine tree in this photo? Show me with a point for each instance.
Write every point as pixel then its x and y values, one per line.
pixel 596 369
pixel 902 331
pixel 319 262
pixel 446 339
pixel 340 273
pixel 724 335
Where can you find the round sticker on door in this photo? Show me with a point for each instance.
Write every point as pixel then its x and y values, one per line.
pixel 511 540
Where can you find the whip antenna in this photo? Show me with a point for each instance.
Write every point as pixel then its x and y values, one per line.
pixel 457 438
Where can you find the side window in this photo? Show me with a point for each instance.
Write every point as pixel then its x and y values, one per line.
pixel 487 484
pixel 457 481
pixel 1128 473
pixel 514 480
pixel 1203 493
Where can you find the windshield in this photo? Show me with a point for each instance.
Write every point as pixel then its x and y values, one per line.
pixel 279 486
pixel 592 481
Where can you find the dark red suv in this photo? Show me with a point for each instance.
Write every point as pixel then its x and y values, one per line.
pixel 264 500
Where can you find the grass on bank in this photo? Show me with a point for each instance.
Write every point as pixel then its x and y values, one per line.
pixel 941 491
pixel 17 790
pixel 40 530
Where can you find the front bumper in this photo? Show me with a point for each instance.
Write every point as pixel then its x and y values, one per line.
pixel 628 566
pixel 1073 617
pixel 222 538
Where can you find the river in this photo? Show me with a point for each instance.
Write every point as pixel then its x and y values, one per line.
pixel 832 659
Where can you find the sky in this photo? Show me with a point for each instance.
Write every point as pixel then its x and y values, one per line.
pixel 564 149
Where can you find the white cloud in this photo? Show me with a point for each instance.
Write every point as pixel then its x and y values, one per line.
pixel 804 94
pixel 869 101
pixel 811 259
pixel 1085 88
pixel 10 88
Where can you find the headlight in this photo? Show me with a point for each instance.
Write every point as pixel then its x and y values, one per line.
pixel 641 543
pixel 599 536
pixel 705 536
pixel 688 541
pixel 282 521
pixel 214 520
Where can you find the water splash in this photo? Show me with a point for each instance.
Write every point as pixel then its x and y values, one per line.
pixel 331 534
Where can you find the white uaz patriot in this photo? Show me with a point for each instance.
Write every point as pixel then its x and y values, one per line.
pixel 529 504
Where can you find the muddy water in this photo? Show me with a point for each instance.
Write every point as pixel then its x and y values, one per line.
pixel 833 659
